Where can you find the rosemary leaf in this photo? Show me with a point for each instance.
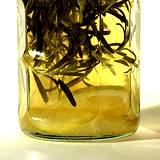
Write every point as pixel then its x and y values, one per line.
pixel 110 67
pixel 74 81
pixel 65 89
pixel 101 38
pixel 128 59
pixel 40 88
pixel 119 4
pixel 122 53
pixel 122 62
pixel 67 92
pixel 119 16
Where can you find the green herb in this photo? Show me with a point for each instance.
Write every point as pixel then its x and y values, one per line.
pixel 65 89
pixel 61 31
pixel 40 87
pixel 67 92
pixel 122 62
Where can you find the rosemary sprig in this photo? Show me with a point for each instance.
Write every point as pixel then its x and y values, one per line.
pixel 61 31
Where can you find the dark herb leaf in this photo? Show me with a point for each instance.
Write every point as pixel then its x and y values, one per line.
pixel 68 93
pixel 128 59
pixel 122 62
pixel 122 54
pixel 74 81
pixel 111 69
pixel 40 88
pixel 119 4
pixel 101 38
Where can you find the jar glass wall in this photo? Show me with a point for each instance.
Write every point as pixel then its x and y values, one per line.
pixel 78 68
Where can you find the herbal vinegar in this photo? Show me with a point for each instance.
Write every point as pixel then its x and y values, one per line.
pixel 78 68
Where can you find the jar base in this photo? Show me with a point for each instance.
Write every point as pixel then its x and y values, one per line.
pixel 78 138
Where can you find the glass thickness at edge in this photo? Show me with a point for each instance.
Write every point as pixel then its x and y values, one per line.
pixel 85 139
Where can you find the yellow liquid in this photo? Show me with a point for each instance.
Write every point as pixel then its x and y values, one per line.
pixel 100 111
pixel 94 116
pixel 107 98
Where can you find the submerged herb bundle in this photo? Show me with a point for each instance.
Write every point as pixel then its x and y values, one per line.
pixel 61 33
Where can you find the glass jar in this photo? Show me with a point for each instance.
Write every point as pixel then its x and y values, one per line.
pixel 78 68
